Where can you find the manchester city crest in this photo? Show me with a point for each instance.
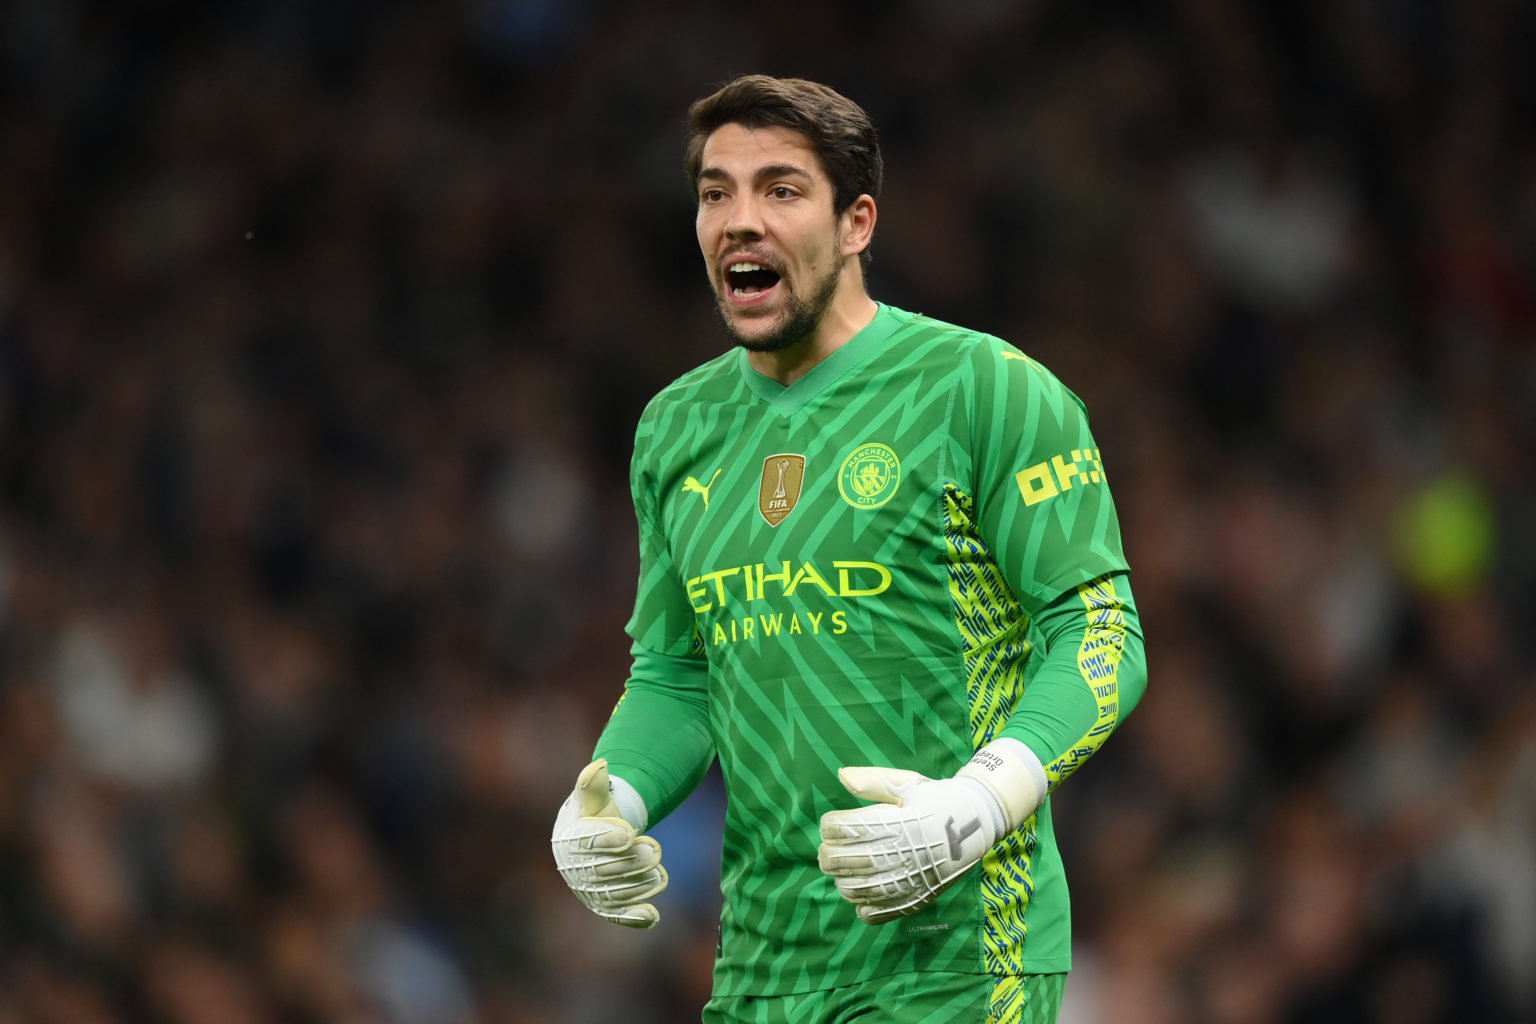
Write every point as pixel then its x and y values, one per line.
pixel 869 476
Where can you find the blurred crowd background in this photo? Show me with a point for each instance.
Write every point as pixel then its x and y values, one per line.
pixel 323 330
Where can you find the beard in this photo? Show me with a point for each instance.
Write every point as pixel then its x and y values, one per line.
pixel 797 322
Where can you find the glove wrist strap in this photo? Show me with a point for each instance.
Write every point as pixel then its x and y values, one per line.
pixel 627 800
pixel 1014 776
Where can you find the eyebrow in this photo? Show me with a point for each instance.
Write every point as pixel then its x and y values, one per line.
pixel 761 174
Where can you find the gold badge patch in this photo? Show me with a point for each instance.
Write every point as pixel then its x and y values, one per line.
pixel 783 476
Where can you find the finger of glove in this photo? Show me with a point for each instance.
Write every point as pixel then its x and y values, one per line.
pixel 862 891
pixel 887 898
pixel 881 914
pixel 632 890
pixel 595 835
pixel 896 882
pixel 641 858
pixel 593 793
pixel 641 915
pixel 610 895
pixel 886 888
pixel 882 785
pixel 607 871
pixel 607 895
pixel 860 859
pixel 872 823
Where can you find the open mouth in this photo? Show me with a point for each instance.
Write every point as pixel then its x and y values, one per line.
pixel 747 280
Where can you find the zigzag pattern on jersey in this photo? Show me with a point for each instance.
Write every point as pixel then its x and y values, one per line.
pixel 988 615
pixel 1098 659
pixel 1007 886
pixel 991 624
pixel 1006 1002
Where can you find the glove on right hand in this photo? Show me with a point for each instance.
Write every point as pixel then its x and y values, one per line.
pixel 612 869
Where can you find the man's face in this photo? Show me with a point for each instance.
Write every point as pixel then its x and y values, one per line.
pixel 768 234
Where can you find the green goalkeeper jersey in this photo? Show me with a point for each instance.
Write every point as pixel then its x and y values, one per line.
pixel 849 571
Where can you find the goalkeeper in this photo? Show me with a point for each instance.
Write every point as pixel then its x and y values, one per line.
pixel 882 582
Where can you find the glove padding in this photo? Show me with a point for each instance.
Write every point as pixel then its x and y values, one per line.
pixel 610 867
pixel 893 857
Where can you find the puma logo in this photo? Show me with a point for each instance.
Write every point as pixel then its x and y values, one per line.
pixel 1023 359
pixel 956 838
pixel 692 486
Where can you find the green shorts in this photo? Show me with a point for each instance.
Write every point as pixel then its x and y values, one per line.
pixel 926 998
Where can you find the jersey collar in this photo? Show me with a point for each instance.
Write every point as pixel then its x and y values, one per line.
pixel 850 354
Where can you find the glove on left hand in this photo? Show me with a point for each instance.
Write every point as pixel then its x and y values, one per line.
pixel 895 856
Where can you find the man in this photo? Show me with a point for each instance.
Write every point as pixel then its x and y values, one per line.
pixel 882 581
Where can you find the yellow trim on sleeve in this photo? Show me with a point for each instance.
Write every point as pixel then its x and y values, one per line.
pixel 1098 660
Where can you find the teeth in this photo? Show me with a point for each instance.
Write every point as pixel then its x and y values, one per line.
pixel 744 267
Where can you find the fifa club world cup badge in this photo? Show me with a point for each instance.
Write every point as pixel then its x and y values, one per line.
pixel 779 493
pixel 870 476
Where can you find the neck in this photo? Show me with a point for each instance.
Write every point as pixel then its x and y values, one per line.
pixel 847 316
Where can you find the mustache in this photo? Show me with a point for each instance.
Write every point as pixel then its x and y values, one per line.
pixel 757 256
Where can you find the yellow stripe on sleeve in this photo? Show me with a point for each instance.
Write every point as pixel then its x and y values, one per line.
pixel 1098 660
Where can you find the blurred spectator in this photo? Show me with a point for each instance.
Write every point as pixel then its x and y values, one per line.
pixel 323 329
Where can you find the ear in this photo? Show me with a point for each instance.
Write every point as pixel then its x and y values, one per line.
pixel 857 225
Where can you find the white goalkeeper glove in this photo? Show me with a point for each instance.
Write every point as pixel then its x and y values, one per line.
pixel 600 853
pixel 893 857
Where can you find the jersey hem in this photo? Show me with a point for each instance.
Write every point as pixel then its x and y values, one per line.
pixel 1041 965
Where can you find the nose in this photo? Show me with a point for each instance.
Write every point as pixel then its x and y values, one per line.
pixel 745 219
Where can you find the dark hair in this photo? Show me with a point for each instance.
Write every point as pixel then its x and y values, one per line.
pixel 840 132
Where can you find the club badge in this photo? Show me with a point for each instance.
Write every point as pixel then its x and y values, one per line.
pixel 869 476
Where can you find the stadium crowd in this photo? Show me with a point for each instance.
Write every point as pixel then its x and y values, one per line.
pixel 323 332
